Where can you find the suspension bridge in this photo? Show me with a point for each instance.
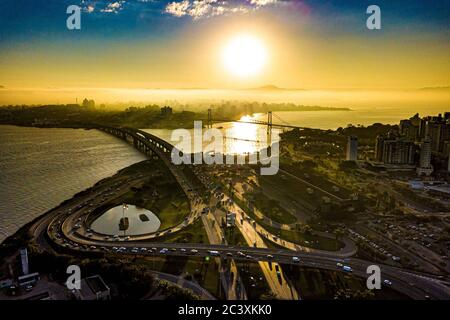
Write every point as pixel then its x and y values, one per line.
pixel 269 124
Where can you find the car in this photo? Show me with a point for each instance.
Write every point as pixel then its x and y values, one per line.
pixel 340 265
pixel 295 259
pixel 387 282
pixel 347 269
pixel 229 254
pixel 194 251
pixel 214 252
pixel 182 250
pixel 163 250
pixel 269 256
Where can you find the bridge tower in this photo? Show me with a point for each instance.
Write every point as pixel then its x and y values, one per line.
pixel 269 128
pixel 209 122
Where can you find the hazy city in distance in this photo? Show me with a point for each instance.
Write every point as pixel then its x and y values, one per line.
pixel 238 150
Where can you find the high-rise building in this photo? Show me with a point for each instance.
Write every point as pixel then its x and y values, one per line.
pixel 438 131
pixel 24 260
pixel 410 128
pixel 432 133
pixel 395 150
pixel 352 149
pixel 425 167
pixel 88 103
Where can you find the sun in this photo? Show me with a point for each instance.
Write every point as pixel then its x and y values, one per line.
pixel 244 56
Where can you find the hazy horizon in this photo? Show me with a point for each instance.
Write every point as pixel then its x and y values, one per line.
pixel 349 98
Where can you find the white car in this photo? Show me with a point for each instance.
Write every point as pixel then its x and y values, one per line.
pixel 295 259
pixel 387 282
pixel 214 252
pixel 347 269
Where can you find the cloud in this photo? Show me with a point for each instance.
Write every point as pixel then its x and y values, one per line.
pixel 200 8
pixel 207 8
pixel 261 3
pixel 178 9
pixel 113 7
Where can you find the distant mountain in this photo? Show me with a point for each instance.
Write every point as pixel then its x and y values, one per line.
pixel 271 87
pixel 435 88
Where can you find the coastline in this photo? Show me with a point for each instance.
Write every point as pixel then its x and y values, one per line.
pixel 23 231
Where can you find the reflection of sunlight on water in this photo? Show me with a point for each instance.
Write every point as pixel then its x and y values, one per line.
pixel 240 137
pixel 247 137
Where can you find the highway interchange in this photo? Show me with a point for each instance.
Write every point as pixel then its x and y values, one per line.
pixel 59 227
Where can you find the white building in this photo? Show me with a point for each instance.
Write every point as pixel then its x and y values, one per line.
pixel 24 260
pixel 352 149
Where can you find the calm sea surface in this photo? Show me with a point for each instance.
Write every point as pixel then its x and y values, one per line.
pixel 40 168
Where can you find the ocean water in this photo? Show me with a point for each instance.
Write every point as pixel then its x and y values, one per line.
pixel 40 168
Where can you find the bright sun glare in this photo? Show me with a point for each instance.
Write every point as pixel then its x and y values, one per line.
pixel 244 56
